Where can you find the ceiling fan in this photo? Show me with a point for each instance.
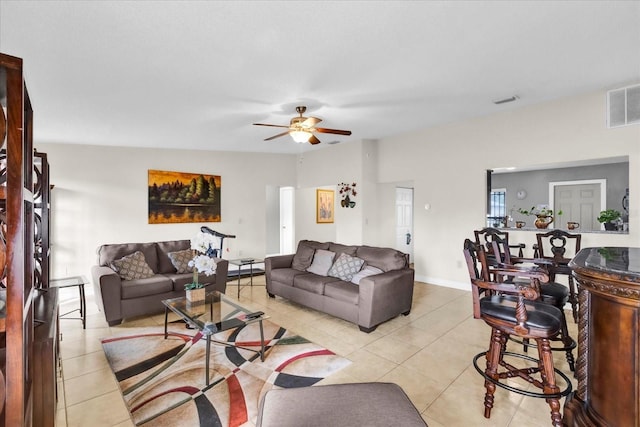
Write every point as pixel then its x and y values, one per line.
pixel 301 128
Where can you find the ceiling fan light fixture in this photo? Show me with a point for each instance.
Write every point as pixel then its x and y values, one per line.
pixel 301 136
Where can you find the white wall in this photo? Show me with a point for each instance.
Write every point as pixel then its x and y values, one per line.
pixel 447 165
pixel 272 220
pixel 326 168
pixel 100 196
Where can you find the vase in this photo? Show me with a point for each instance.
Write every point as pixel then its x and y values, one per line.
pixel 543 221
pixel 610 226
pixel 195 296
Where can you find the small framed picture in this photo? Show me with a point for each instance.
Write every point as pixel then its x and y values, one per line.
pixel 324 206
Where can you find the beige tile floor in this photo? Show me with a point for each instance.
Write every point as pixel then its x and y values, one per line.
pixel 428 353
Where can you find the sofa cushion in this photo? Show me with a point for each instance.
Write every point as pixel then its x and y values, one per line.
pixel 180 260
pixel 322 262
pixel 132 267
pixel 110 252
pixel 163 248
pixel 342 249
pixel 312 283
pixel 157 284
pixel 304 254
pixel 285 275
pixel 345 267
pixel 367 271
pixel 386 259
pixel 342 291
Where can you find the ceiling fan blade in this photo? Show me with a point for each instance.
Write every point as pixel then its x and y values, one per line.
pixel 277 136
pixel 266 124
pixel 336 131
pixel 313 140
pixel 310 122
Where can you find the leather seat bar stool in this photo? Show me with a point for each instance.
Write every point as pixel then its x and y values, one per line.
pixel 560 247
pixel 513 309
pixel 551 292
pixel 488 234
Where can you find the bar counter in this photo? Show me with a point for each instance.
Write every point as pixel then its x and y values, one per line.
pixel 608 365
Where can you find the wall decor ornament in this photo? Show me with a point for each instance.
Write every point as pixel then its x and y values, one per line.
pixel 176 197
pixel 324 206
pixel 347 193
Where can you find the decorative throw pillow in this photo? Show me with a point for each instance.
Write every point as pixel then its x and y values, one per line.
pixel 132 267
pixel 369 270
pixel 322 261
pixel 180 260
pixel 303 257
pixel 345 267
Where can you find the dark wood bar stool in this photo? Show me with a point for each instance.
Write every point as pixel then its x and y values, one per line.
pixel 513 309
pixel 551 292
pixel 488 234
pixel 560 247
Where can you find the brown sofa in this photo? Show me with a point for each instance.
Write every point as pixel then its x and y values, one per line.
pixel 376 299
pixel 119 299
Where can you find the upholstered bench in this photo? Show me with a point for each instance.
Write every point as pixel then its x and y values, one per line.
pixel 345 405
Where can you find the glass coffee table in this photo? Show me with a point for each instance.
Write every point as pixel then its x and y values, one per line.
pixel 215 314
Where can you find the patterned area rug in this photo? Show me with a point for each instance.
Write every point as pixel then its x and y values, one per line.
pixel 163 381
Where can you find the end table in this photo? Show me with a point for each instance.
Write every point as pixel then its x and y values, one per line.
pixel 67 282
pixel 244 262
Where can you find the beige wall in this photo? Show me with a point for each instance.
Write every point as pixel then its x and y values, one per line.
pixel 100 194
pixel 447 165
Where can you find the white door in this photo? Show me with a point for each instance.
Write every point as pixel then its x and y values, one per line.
pixel 286 221
pixel 579 203
pixel 404 221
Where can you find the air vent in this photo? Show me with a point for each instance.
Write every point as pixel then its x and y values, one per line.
pixel 623 106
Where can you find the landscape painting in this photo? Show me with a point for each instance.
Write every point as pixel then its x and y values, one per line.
pixel 176 197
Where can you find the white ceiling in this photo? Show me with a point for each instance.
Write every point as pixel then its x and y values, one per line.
pixel 196 75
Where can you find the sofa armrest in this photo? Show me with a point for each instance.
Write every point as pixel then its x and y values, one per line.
pixel 275 262
pixel 222 271
pixel 107 287
pixel 385 296
pixel 278 261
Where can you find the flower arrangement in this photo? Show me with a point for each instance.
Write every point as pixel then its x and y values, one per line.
pixel 540 211
pixel 203 246
pixel 346 192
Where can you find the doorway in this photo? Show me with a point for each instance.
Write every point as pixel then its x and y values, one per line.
pixel 580 201
pixel 287 229
pixel 404 221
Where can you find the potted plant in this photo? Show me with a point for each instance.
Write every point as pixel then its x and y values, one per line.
pixel 607 217
pixel 544 215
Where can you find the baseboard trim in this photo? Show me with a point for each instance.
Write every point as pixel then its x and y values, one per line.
pixel 444 282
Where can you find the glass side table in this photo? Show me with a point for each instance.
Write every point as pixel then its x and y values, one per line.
pixel 242 262
pixel 79 282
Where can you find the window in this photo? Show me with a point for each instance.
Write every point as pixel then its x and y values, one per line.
pixel 497 216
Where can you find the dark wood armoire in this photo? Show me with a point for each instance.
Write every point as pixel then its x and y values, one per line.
pixel 29 312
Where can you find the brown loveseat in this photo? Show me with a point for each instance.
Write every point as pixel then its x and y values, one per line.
pixel 119 299
pixel 376 298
